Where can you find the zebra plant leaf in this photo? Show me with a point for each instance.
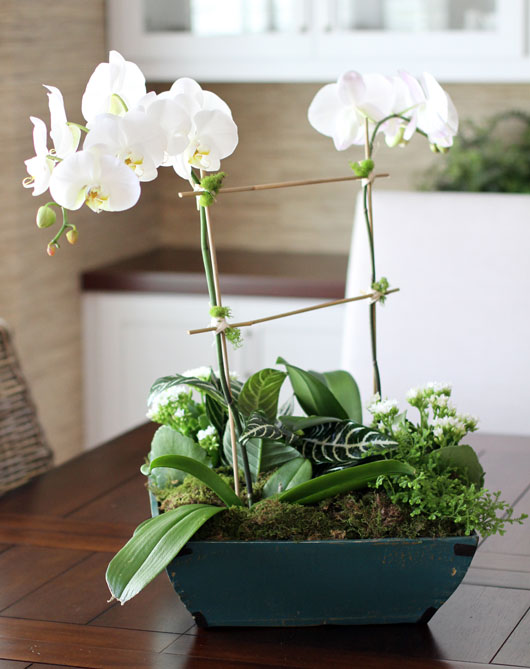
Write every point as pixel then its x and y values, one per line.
pixel 259 426
pixel 345 480
pixel 166 382
pixel 261 392
pixel 342 442
pixel 287 476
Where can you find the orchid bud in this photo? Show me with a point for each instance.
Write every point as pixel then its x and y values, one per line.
pixel 52 248
pixel 72 235
pixel 46 216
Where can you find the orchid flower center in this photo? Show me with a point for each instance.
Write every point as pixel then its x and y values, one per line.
pixel 95 198
pixel 135 163
pixel 199 158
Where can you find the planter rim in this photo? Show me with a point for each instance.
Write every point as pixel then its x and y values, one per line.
pixel 472 538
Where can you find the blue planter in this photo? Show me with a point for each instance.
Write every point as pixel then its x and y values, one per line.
pixel 287 583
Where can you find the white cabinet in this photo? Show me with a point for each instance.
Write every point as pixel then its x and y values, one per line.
pixel 316 40
pixel 130 339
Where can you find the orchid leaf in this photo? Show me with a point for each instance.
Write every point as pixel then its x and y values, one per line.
pixel 168 441
pixel 346 391
pixel 315 398
pixel 261 392
pixel 287 476
pixel 201 472
pixel 155 543
pixel 345 480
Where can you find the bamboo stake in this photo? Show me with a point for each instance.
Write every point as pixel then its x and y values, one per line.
pixel 213 256
pixel 279 184
pixel 303 310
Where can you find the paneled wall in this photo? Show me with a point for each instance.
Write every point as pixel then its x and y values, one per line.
pixel 55 42
pixel 277 142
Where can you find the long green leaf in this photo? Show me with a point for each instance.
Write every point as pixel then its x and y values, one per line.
pixel 261 392
pixel 353 478
pixel 168 441
pixel 153 547
pixel 287 476
pixel 166 382
pixel 201 472
pixel 314 396
pixel 346 391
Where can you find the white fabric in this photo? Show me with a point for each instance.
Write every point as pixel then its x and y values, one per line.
pixel 462 262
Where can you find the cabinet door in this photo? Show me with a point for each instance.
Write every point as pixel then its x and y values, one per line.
pixel 132 339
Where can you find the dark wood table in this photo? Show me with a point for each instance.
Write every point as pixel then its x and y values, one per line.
pixel 58 533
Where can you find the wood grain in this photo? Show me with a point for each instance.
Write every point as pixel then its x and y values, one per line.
pixel 516 650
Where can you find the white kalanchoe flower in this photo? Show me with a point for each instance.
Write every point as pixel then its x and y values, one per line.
pixel 114 87
pixel 198 373
pixel 339 110
pixel 135 139
pixel 102 182
pixel 433 111
pixel 210 431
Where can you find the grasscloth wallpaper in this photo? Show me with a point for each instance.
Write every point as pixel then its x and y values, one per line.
pixel 59 42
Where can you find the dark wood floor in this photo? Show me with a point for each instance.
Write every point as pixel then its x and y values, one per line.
pixel 58 533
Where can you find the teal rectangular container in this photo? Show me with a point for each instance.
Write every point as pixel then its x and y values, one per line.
pixel 286 583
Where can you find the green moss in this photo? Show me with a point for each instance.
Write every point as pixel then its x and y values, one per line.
pixel 361 515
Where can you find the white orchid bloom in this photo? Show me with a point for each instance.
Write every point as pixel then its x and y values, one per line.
pixel 101 181
pixel 434 112
pixel 65 137
pixel 39 167
pixel 339 110
pixel 174 120
pixel 114 87
pixel 213 136
pixel 134 138
pixel 199 98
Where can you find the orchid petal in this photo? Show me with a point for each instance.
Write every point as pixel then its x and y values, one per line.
pixel 65 138
pixel 40 166
pixel 101 181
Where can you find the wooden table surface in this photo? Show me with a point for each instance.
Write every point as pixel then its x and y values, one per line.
pixel 58 533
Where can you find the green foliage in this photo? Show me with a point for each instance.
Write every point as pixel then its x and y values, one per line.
pixel 313 395
pixel 447 485
pixel 353 478
pixel 261 392
pixel 346 391
pixel 166 383
pixel 287 476
pixel 152 548
pixel 486 158
pixel 167 441
pixel 201 472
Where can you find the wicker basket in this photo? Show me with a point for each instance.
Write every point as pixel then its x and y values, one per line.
pixel 24 452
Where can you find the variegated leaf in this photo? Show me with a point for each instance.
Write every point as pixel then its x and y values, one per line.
pixel 166 382
pixel 260 427
pixel 261 392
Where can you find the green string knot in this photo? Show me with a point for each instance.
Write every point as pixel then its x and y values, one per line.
pixel 220 314
pixel 362 168
pixel 211 184
pixel 380 288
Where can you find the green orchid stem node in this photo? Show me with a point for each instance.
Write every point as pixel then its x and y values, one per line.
pixel 381 288
pixel 211 184
pixel 232 334
pixel 362 168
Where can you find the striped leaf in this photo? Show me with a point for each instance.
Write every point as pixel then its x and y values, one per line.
pixel 261 392
pixel 259 426
pixel 166 382
pixel 342 442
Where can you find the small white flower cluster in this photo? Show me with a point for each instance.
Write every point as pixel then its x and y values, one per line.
pixel 164 398
pixel 430 393
pixel 379 407
pixel 203 373
pixel 453 427
pixel 210 431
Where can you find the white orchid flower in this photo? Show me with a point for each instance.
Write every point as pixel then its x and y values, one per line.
pixel 39 167
pixel 433 110
pixel 65 137
pixel 134 138
pixel 213 136
pixel 339 110
pixel 174 120
pixel 199 98
pixel 101 181
pixel 114 87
